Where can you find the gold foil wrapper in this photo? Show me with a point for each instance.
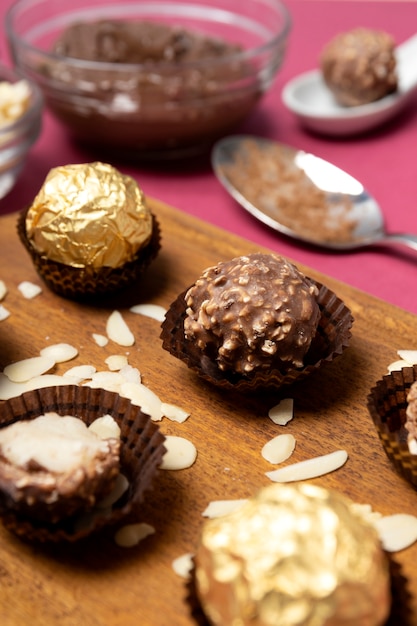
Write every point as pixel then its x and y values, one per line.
pixel 293 555
pixel 89 215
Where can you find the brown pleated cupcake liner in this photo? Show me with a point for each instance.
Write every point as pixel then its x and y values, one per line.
pixel 387 405
pixel 86 283
pixel 400 605
pixel 141 452
pixel 331 339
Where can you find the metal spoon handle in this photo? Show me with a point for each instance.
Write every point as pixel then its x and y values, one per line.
pixel 404 238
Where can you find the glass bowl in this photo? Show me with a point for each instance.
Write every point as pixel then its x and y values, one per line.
pixel 152 108
pixel 18 136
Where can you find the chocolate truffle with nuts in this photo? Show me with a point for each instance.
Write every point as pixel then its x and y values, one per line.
pixel 359 66
pixel 253 312
pixel 253 319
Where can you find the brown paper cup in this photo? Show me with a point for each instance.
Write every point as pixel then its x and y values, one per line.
pixel 88 282
pixel 141 454
pixel 332 338
pixel 387 404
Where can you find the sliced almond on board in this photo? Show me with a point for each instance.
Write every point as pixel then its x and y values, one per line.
pixel 408 355
pixel 131 534
pixel 397 532
pixel 3 289
pixel 24 370
pixel 100 340
pixel 60 352
pixel 29 290
pixel 116 362
pixel 183 565
pixel 4 313
pixel 218 508
pixel 181 453
pixel 174 412
pixel 311 468
pixel 150 310
pixel 279 449
pixel 283 412
pixel 118 331
pixel 142 396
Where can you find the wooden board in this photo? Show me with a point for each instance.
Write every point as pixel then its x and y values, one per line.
pixel 96 583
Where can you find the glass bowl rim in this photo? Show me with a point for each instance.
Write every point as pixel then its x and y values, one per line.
pixel 19 41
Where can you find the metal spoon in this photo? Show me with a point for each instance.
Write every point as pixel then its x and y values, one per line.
pixel 348 218
pixel 313 103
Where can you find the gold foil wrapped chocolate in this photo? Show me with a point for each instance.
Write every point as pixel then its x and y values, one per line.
pixel 89 215
pixel 293 555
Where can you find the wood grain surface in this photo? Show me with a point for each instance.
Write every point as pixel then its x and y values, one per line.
pixel 97 583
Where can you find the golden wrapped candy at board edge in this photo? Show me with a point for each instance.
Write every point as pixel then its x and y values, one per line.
pixel 293 555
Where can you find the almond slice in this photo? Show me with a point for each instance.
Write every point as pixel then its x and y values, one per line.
pixel 283 412
pixel 105 427
pixel 60 352
pixel 131 534
pixel 150 310
pixel 118 331
pixel 116 362
pixel 29 290
pixel 4 313
pixel 81 372
pixel 9 389
pixel 397 532
pixel 218 508
pixel 3 289
pixel 100 340
pixel 279 448
pixel 142 396
pixel 183 565
pixel 180 453
pixel 130 374
pixel 111 381
pixel 174 412
pixel 408 355
pixel 311 468
pixel 47 380
pixel 24 370
pixel 395 366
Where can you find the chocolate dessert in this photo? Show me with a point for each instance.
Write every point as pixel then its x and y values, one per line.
pixel 89 230
pixel 359 66
pixel 411 412
pixel 292 554
pixel 54 466
pixel 253 312
pixel 156 87
pixel 255 321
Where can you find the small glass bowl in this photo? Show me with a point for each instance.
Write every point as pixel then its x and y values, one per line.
pixel 170 109
pixel 17 138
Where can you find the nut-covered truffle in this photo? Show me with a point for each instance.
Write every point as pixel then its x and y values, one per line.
pixel 411 412
pixel 89 215
pixel 53 466
pixel 296 555
pixel 359 66
pixel 251 313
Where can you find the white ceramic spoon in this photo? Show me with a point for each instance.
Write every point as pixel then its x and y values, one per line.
pixel 338 186
pixel 312 102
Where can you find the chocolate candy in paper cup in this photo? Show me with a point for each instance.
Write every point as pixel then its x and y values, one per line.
pixel 292 554
pixel 387 405
pixel 141 452
pixel 256 322
pixel 89 230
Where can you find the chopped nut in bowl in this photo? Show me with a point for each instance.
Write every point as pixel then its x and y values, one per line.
pixel 73 460
pixel 254 322
pixel 21 106
pixel 392 406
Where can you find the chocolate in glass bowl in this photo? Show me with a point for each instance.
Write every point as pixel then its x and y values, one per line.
pixel 148 109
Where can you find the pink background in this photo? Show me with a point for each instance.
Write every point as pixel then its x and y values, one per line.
pixel 384 160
